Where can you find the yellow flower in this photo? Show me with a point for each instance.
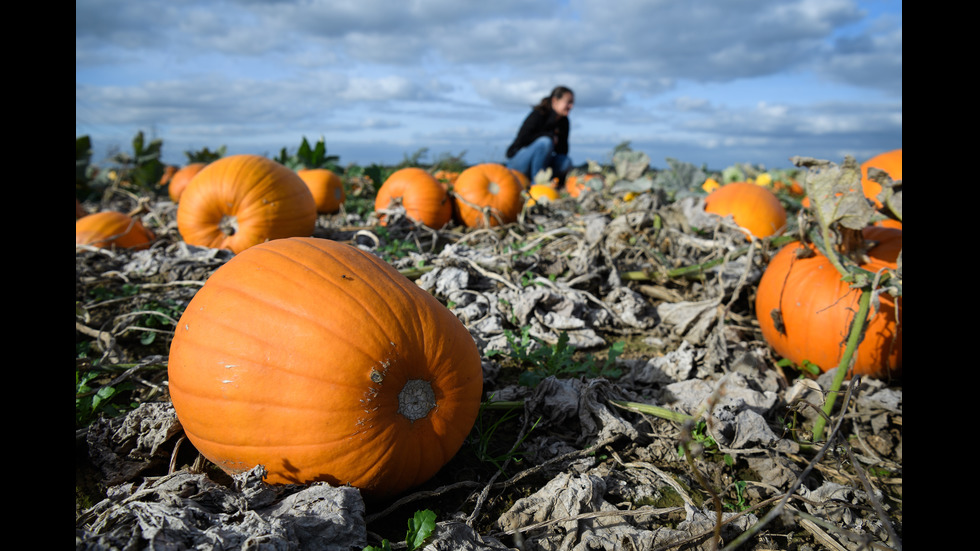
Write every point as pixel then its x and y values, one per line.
pixel 710 185
pixel 764 179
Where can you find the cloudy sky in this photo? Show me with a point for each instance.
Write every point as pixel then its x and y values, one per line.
pixel 710 82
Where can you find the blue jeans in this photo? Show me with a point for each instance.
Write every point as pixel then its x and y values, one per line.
pixel 539 155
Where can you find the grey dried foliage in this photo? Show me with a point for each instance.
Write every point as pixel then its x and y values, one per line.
pixel 590 472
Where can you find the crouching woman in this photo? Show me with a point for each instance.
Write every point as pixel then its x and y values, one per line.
pixel 542 141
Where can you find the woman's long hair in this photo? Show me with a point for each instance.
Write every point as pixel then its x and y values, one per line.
pixel 558 92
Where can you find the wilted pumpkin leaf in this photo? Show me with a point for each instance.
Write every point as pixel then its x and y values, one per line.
pixel 835 192
pixel 891 191
pixel 630 165
pixel 682 180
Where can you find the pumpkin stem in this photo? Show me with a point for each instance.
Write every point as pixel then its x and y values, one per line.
pixel 416 399
pixel 854 338
pixel 228 225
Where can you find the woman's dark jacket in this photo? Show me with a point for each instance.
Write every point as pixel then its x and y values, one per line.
pixel 542 121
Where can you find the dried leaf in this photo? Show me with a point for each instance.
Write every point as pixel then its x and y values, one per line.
pixel 835 192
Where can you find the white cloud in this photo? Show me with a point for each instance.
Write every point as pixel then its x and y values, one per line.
pixel 720 79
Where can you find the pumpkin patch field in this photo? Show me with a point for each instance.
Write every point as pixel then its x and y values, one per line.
pixel 291 353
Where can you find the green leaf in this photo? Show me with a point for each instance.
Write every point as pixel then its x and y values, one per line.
pixel 420 527
pixel 104 394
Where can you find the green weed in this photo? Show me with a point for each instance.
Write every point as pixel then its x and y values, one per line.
pixel 392 247
pixel 700 435
pixel 486 447
pixel 541 360
pixel 420 528
pixel 740 503
pixel 92 399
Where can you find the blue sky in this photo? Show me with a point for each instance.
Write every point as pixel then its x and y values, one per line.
pixel 711 82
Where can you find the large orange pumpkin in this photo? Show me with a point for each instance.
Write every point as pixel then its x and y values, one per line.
pixel 109 229
pixel 243 200
pixel 890 162
pixel 754 208
pixel 321 362
pixel 424 198
pixel 522 178
pixel 817 309
pixel 180 179
pixel 327 188
pixel 488 194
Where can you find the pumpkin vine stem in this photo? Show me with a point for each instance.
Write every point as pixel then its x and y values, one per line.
pixel 698 270
pixel 853 340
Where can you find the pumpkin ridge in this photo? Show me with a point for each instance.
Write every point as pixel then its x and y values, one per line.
pixel 315 321
pixel 251 209
pixel 324 440
pixel 302 314
pixel 358 298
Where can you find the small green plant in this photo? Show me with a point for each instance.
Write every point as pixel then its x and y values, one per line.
pixel 392 247
pixel 157 317
pixel 740 503
pixel 310 157
pixel 378 174
pixel 91 399
pixel 807 366
pixel 700 435
pixel 415 159
pixel 151 317
pixel 541 360
pixel 205 155
pixel 420 528
pixel 449 162
pixel 484 444
pixel 361 187
pixel 142 169
pixel 84 171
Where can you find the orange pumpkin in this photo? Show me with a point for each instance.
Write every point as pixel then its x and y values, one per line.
pixel 243 200
pixel 488 194
pixel 447 177
pixel 327 188
pixel 576 184
pixel 541 193
pixel 425 199
pixel 522 178
pixel 890 162
pixel 108 229
pixel 792 187
pixel 168 173
pixel 754 208
pixel 322 363
pixel 817 309
pixel 180 179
